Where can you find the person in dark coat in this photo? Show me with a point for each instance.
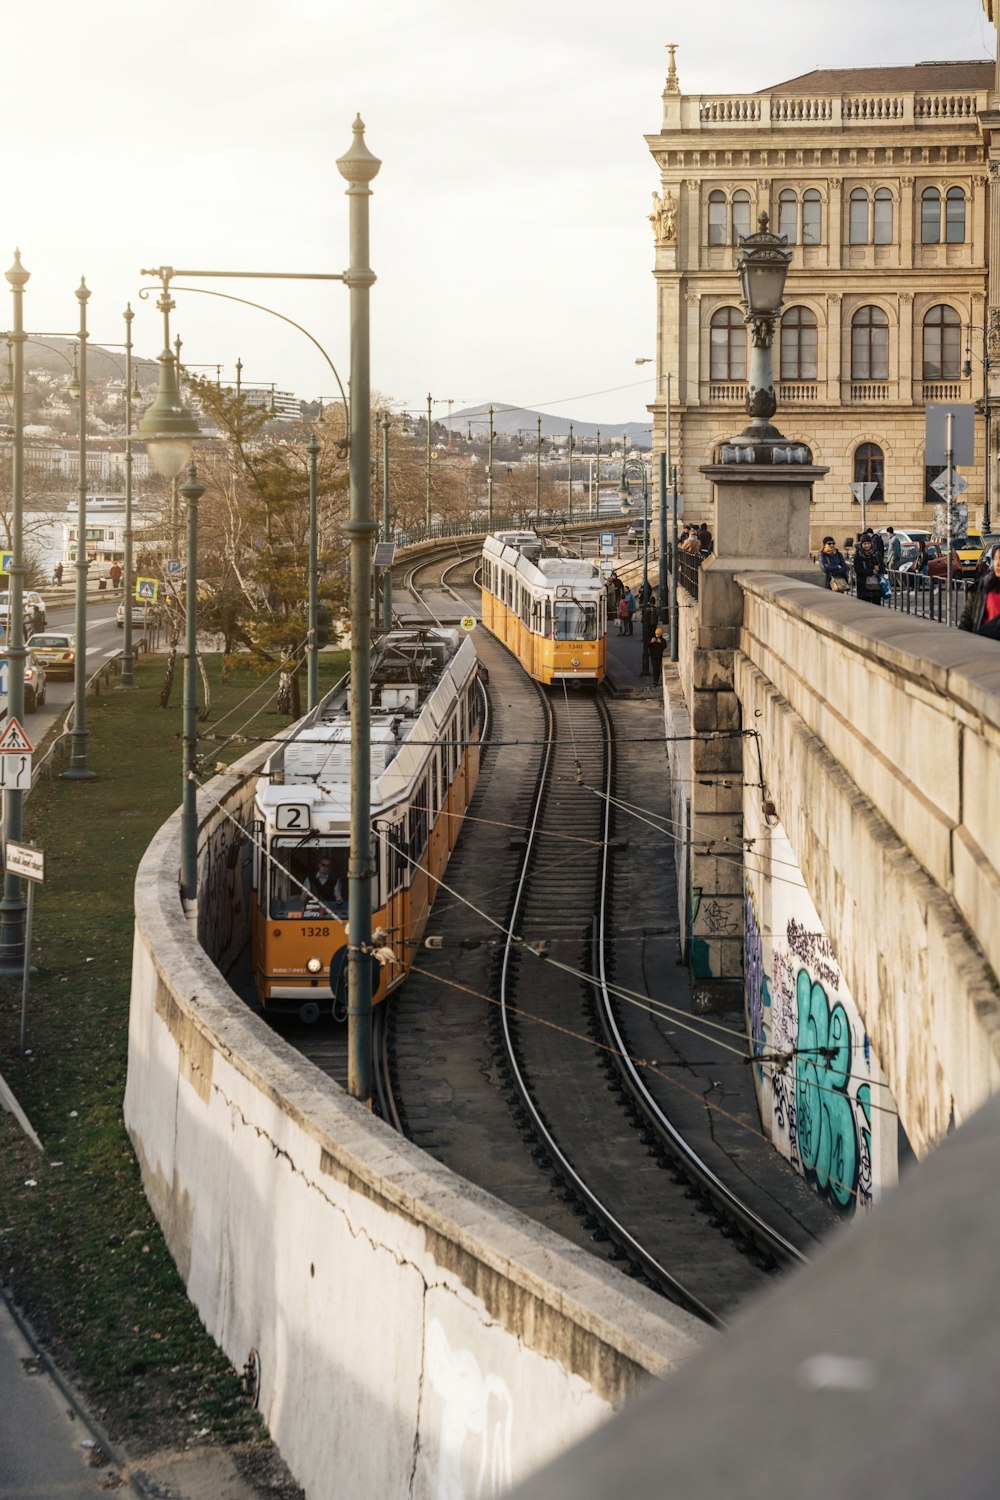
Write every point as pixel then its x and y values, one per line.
pixel 832 563
pixel 982 610
pixel 705 539
pixel 657 646
pixel 867 571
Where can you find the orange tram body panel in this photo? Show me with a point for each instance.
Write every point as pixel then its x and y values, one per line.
pixel 425 729
pixel 550 611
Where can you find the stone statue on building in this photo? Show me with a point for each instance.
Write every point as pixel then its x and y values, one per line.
pixel 664 218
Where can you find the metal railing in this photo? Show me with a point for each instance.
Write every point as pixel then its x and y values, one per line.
pixel 923 597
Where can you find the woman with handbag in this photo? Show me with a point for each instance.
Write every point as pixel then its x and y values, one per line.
pixel 833 566
pixel 867 572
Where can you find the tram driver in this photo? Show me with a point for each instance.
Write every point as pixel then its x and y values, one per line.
pixel 323 887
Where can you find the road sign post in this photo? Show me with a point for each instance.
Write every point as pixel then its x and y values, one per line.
pixel 862 494
pixel 28 863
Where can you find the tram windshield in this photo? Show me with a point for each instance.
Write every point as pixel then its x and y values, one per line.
pixel 308 879
pixel 575 622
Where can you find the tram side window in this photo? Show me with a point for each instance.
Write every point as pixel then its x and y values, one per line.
pixel 435 785
pixel 453 749
pixel 575 622
pixel 418 823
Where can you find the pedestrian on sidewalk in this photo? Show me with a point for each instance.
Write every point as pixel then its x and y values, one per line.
pixel 833 566
pixel 867 572
pixel 115 574
pixel 705 541
pixel 57 573
pixel 630 611
pixel 621 610
pixel 657 646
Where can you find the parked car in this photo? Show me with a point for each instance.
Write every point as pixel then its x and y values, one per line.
pixel 937 567
pixel 638 529
pixel 34 681
pixel 970 550
pixel 56 651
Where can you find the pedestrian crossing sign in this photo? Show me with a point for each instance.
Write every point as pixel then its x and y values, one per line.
pixel 6 561
pixel 14 741
pixel 146 590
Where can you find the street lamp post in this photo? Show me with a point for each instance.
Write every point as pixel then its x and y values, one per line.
pixel 967 371
pixel 387 572
pixel 78 770
pixel 13 906
pixel 538 470
pixel 128 676
pixel 312 667
pixel 192 490
pixel 569 487
pixel 359 167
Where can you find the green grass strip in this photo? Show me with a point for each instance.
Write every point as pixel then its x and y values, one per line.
pixel 80 1251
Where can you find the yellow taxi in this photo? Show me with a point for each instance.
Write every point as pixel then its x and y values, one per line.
pixel 970 550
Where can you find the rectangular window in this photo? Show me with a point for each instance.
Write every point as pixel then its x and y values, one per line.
pixel 859 219
pixel 883 218
pixel 930 219
pixel 811 219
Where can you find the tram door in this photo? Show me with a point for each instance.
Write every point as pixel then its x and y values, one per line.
pixel 394 873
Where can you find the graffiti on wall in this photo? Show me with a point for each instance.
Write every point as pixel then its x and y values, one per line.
pixel 834 1127
pixel 816 1070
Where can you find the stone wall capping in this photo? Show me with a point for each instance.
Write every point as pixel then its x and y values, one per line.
pixel 953 662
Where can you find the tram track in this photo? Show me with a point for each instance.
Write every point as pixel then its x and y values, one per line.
pixel 580 1146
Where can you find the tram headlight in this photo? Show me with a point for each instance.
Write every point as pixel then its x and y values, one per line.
pixel 576 661
pixel 314 965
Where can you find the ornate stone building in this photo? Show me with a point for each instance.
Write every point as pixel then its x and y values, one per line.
pixel 880 178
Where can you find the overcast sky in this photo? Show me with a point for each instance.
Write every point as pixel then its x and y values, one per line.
pixel 508 222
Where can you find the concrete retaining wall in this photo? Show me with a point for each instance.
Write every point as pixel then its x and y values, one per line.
pixel 416 1338
pixel 880 745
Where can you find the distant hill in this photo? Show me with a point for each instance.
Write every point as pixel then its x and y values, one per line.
pixel 509 419
pixel 56 355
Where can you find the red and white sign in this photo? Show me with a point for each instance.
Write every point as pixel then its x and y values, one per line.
pixel 14 741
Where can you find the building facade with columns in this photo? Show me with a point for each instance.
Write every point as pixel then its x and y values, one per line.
pixel 880 178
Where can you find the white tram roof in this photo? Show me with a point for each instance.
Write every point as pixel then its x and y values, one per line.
pixel 541 572
pixel 417 677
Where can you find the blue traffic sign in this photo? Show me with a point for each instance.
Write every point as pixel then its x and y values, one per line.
pixel 174 568
pixel 4 678
pixel 6 561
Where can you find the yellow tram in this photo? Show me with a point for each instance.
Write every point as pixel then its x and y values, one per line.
pixel 425 728
pixel 550 611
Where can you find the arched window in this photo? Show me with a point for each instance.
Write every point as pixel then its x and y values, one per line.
pixel 741 215
pixel 858 231
pixel 717 216
pixel 883 217
pixel 869 344
pixel 728 337
pixel 798 344
pixel 869 468
pixel 812 217
pixel 930 216
pixel 955 216
pixel 942 343
pixel 788 215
